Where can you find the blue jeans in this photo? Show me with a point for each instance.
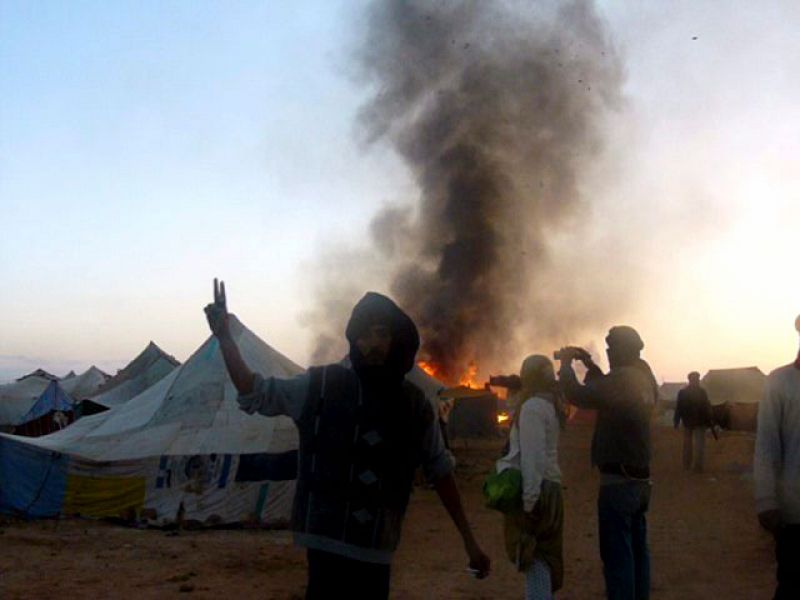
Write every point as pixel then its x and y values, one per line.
pixel 621 509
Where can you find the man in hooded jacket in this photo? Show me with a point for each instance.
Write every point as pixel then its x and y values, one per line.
pixel 363 432
pixel 623 399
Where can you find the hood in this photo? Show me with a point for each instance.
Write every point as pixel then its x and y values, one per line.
pixel 377 308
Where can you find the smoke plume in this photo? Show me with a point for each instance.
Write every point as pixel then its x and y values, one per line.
pixel 498 110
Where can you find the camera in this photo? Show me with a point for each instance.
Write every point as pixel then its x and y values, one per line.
pixel 571 352
pixel 510 382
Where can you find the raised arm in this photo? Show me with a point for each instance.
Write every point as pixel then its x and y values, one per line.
pixel 582 396
pixel 218 321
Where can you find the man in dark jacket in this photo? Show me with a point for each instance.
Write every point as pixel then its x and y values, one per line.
pixel 621 450
pixel 363 432
pixel 694 409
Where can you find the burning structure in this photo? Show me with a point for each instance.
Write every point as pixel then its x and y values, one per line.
pixel 497 109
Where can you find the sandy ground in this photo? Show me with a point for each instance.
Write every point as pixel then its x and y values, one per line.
pixel 704 539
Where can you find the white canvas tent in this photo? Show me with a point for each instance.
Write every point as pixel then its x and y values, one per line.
pixel 181 450
pixel 150 366
pixel 84 385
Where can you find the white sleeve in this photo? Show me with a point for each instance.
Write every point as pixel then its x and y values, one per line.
pixel 767 460
pixel 533 452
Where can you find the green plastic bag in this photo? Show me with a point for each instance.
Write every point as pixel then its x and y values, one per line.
pixel 503 491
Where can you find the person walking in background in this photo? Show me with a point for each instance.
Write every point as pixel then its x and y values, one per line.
pixel 776 469
pixel 534 532
pixel 694 410
pixel 363 432
pixel 621 450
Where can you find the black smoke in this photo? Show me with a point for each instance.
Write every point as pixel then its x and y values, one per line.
pixel 498 109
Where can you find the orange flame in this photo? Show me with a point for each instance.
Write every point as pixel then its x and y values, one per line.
pixel 468 378
pixel 429 368
pixel 502 418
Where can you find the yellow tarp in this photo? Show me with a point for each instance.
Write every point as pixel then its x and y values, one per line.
pixel 104 496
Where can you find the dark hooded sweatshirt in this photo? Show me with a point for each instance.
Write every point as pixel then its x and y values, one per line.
pixel 623 399
pixel 363 432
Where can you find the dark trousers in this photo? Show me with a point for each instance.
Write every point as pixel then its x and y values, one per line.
pixel 621 509
pixel 333 576
pixel 787 551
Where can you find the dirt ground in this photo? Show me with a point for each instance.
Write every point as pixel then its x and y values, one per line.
pixel 704 540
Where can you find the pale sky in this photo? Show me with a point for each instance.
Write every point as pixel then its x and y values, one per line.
pixel 146 147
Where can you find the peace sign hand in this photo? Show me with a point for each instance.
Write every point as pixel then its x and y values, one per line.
pixel 217 311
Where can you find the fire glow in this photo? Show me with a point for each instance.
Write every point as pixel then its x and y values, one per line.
pixel 428 367
pixel 502 418
pixel 468 379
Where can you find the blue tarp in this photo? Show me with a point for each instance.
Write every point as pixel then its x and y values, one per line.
pixel 32 479
pixel 53 398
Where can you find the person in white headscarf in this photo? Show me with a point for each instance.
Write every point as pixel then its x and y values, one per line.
pixel 534 532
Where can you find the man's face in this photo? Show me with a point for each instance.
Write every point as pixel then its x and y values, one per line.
pixel 374 344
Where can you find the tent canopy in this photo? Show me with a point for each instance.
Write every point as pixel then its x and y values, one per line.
pixel 193 410
pixel 30 398
pixel 86 384
pixel 40 373
pixel 745 385
pixel 150 366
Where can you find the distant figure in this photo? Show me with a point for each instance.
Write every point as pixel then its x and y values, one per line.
pixel 621 450
pixel 534 534
pixel 777 472
pixel 363 432
pixel 694 409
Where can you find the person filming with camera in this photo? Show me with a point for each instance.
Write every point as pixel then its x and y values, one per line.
pixel 623 399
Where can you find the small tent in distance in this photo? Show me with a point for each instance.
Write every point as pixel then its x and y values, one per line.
pixel 150 366
pixel 34 405
pixel 41 373
pixel 86 384
pixel 744 385
pixel 668 394
pixel 734 396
